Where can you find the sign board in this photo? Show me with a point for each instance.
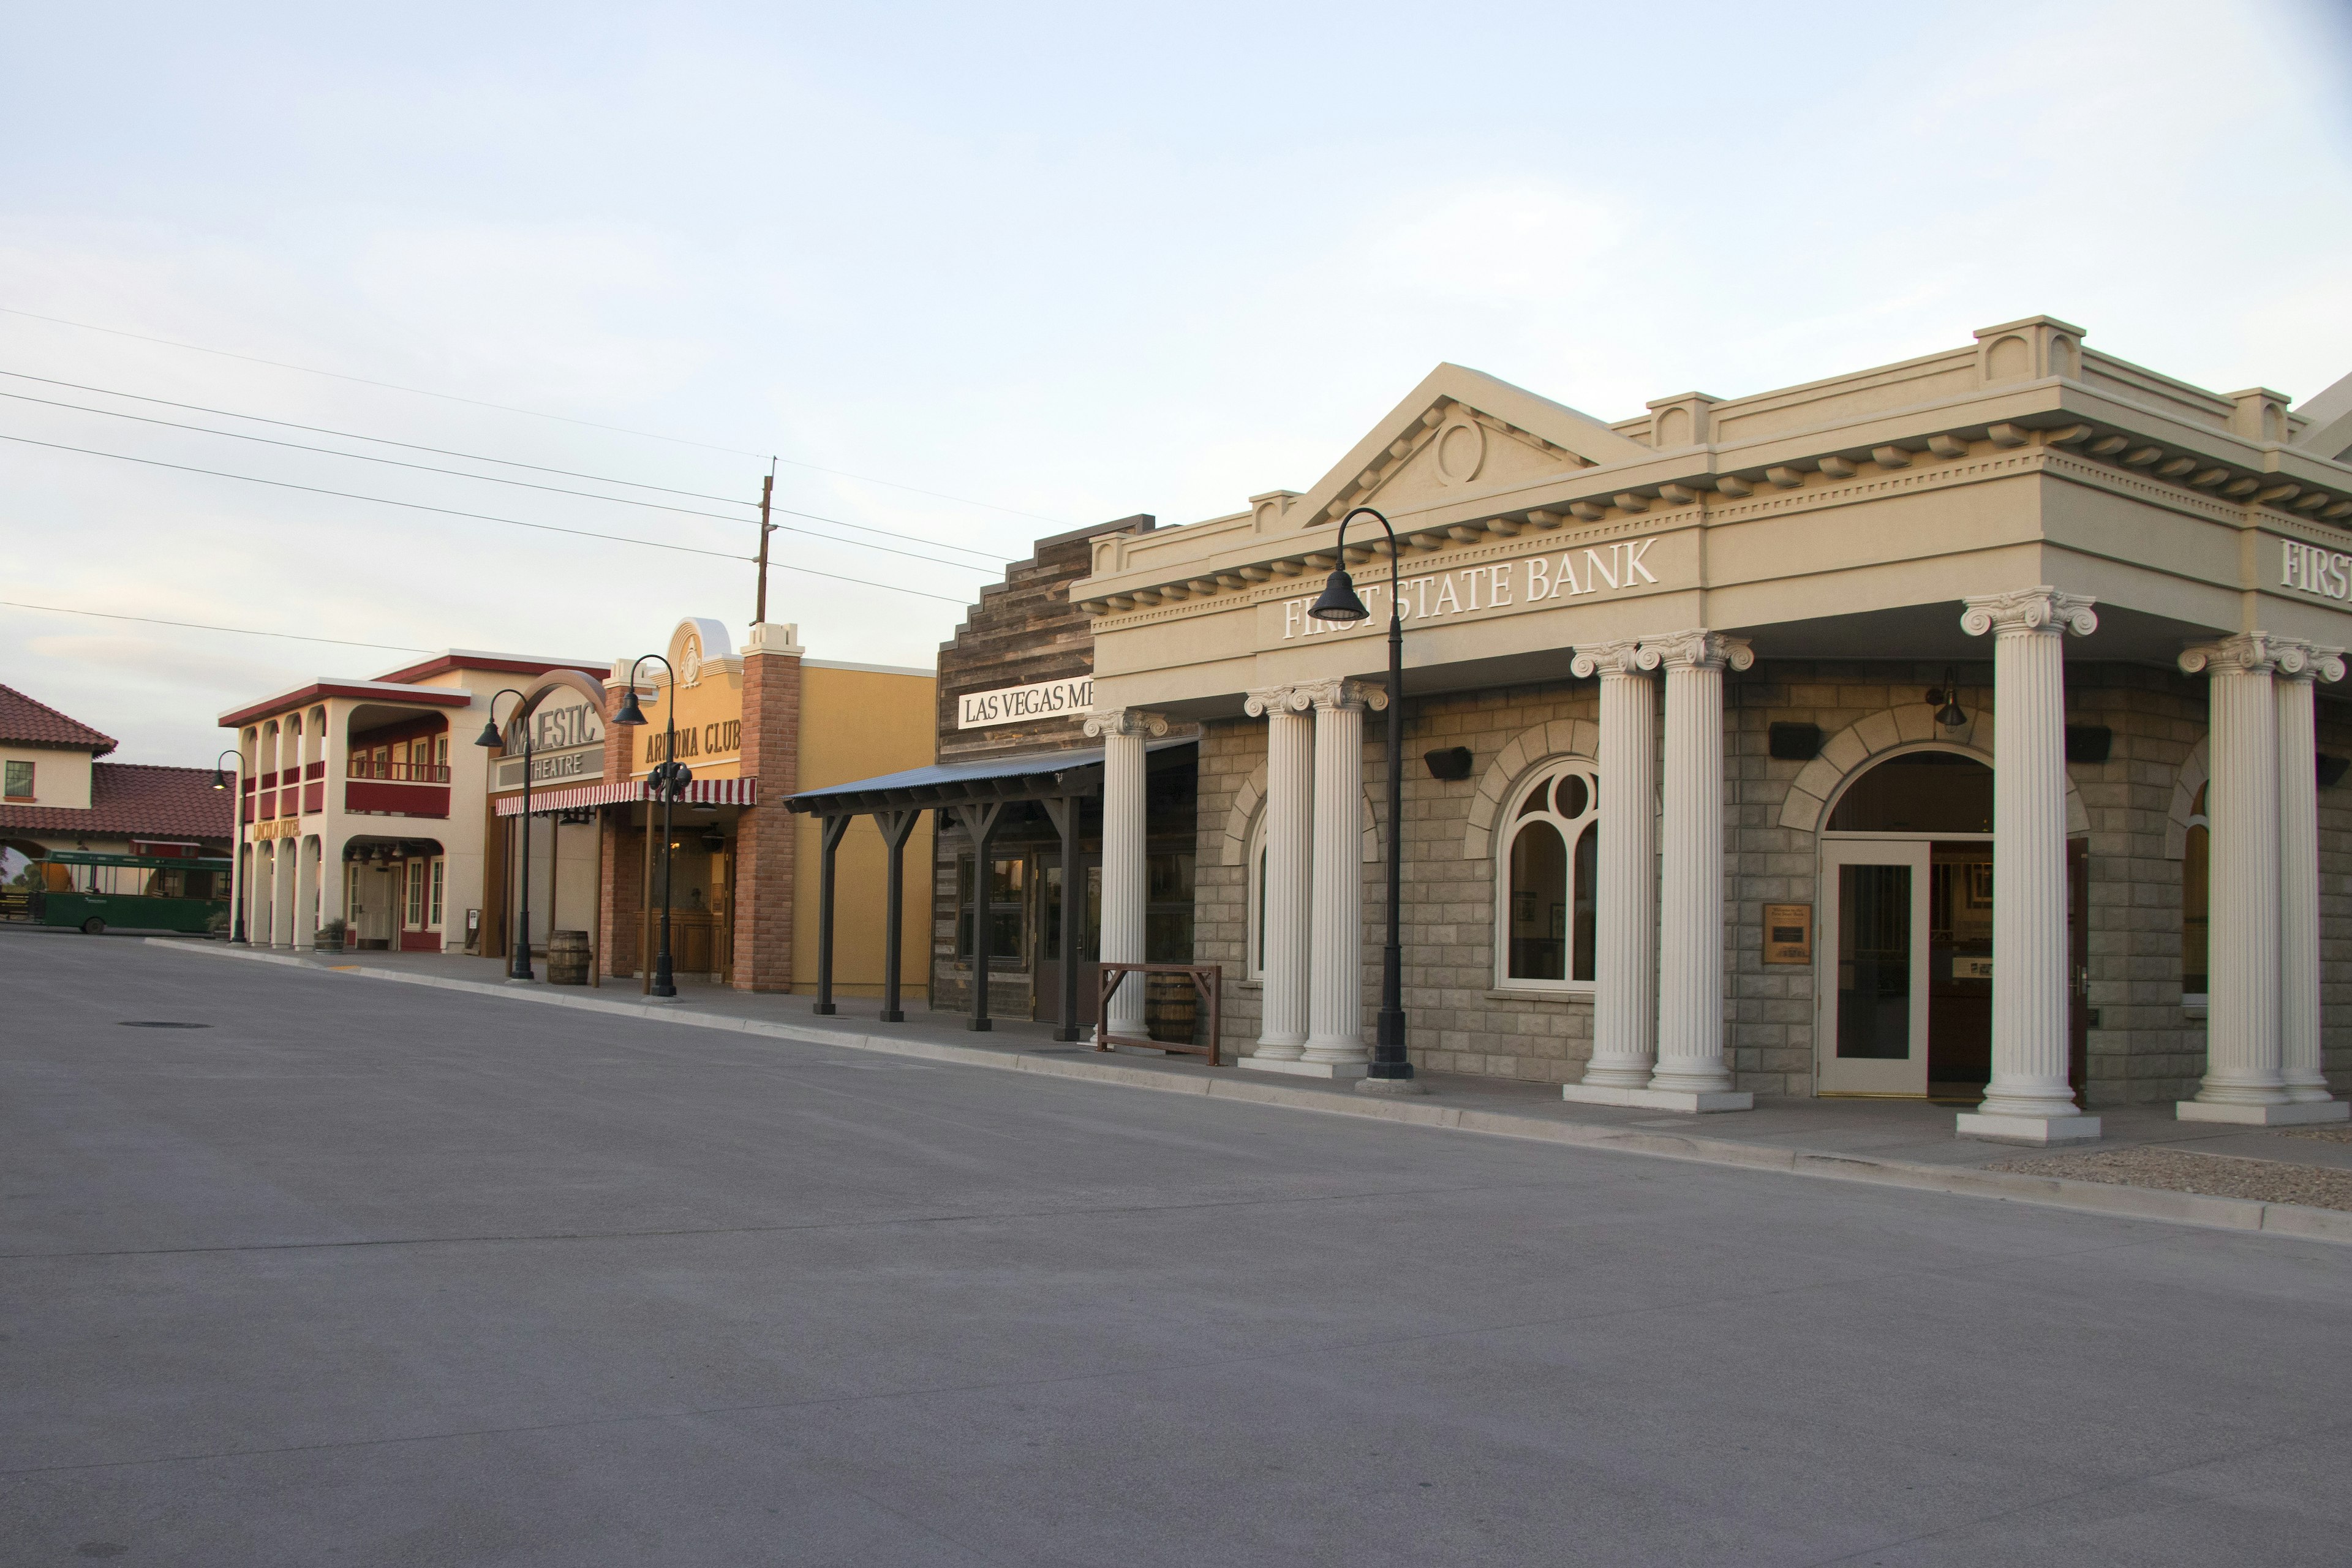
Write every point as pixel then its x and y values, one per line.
pixel 1010 704
pixel 1965 967
pixel 564 767
pixel 2327 572
pixel 1787 933
pixel 1623 566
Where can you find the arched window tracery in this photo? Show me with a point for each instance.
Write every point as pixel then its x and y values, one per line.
pixel 1550 860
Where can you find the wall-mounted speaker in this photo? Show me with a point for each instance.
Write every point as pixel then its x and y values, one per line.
pixel 1795 742
pixel 1448 763
pixel 2089 742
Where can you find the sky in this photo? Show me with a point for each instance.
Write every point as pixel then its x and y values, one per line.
pixel 973 276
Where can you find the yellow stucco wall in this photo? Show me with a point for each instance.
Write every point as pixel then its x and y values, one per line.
pixel 854 724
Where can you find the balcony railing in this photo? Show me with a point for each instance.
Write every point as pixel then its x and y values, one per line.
pixel 399 772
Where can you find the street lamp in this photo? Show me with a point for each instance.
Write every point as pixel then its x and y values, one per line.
pixel 669 779
pixel 1391 1070
pixel 236 866
pixel 518 952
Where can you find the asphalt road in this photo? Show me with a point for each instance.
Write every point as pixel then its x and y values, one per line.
pixel 368 1273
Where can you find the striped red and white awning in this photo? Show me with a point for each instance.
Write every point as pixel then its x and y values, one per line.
pixel 702 792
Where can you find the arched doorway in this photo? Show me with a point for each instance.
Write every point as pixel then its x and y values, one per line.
pixel 1905 978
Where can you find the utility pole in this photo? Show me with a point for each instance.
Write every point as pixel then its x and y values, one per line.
pixel 767 492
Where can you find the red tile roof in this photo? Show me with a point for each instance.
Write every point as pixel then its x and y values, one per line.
pixel 136 800
pixel 32 723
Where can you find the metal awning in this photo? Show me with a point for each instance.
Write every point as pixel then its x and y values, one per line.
pixel 1031 776
pixel 700 792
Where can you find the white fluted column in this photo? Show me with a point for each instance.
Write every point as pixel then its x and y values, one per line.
pixel 1691 1065
pixel 1124 876
pixel 2258 899
pixel 2028 1096
pixel 1625 967
pixel 1335 986
pixel 2298 882
pixel 1289 819
pixel 2242 1062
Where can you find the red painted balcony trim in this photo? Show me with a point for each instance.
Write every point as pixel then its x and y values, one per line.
pixel 410 799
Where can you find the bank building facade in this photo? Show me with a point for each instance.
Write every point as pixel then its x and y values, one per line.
pixel 1960 728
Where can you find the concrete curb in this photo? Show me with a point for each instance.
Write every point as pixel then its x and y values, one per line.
pixel 2047 1192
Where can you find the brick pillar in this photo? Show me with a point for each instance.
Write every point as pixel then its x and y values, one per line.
pixel 764 833
pixel 625 874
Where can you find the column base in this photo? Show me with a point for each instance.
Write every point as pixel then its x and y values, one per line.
pixel 2297 1113
pixel 1305 1069
pixel 1685 1101
pixel 2026 1128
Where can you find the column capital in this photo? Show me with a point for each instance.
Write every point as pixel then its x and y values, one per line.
pixel 2310 661
pixel 2250 653
pixel 1696 648
pixel 1266 699
pixel 2024 612
pixel 1619 658
pixel 1343 694
pixel 1126 723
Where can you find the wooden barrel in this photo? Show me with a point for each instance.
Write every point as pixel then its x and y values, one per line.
pixel 1172 1008
pixel 567 958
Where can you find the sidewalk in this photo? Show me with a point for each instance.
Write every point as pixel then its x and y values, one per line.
pixel 2147 1164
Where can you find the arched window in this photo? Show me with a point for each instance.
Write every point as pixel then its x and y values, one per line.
pixel 1257 898
pixel 2196 888
pixel 1550 863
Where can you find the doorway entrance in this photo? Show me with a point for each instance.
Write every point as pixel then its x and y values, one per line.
pixel 1905 956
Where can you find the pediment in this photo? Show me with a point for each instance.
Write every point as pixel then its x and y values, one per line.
pixel 1459 432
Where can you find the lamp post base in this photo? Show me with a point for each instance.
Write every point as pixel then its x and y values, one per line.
pixel 1390 1085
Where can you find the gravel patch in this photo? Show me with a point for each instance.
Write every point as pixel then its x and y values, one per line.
pixel 2211 1175
pixel 2339 1133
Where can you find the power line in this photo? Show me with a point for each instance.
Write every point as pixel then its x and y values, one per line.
pixel 387 386
pixel 380 440
pixel 531 413
pixel 485 478
pixel 446 452
pixel 477 516
pixel 201 627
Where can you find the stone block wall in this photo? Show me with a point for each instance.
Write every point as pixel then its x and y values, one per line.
pixel 2144 1046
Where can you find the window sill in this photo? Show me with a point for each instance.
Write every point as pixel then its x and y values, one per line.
pixel 1528 993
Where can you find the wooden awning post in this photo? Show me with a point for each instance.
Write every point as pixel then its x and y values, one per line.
pixel 896 828
pixel 978 819
pixel 830 830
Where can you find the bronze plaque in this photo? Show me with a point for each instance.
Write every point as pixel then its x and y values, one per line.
pixel 1787 933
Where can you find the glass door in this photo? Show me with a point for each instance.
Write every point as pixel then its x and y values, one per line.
pixel 1871 1029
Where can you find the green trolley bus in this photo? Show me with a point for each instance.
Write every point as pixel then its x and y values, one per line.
pixel 137 892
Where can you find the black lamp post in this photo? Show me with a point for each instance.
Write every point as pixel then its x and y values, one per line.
pixel 237 865
pixel 1391 1067
pixel 518 952
pixel 669 779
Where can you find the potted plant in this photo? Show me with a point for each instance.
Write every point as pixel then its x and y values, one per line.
pixel 330 936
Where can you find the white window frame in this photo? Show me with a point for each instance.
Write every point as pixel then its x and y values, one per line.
pixel 1506 831
pixel 2196 1002
pixel 438 870
pixel 1254 913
